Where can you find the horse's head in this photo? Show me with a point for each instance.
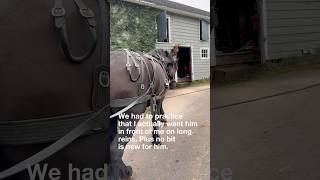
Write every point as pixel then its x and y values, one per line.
pixel 168 61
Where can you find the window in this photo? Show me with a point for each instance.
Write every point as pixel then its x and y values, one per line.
pixel 204 30
pixel 204 53
pixel 163 27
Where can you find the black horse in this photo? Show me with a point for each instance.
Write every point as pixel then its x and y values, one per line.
pixel 133 75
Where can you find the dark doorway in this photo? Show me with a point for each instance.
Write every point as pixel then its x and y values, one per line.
pixel 184 64
pixel 238 26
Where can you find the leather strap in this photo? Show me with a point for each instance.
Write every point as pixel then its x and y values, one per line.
pixel 44 130
pixel 131 104
pixel 57 146
pixel 118 103
pixel 132 61
pixel 149 94
pixel 58 12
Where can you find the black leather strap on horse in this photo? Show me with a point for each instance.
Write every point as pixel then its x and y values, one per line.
pixel 132 61
pixel 87 125
pixel 43 130
pixel 152 58
pixel 58 12
pixel 149 94
pixel 128 103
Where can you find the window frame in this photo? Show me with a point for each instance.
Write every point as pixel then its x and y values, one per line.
pixel 168 29
pixel 200 30
pixel 208 52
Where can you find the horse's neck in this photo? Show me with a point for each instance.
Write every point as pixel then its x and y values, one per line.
pixel 156 63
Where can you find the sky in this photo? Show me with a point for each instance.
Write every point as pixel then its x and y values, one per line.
pixel 200 4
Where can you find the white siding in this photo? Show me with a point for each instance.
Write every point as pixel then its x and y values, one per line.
pixel 293 26
pixel 186 32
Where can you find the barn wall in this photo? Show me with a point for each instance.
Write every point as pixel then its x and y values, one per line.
pixel 293 27
pixel 186 31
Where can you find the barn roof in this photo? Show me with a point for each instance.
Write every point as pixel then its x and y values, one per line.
pixel 179 6
pixel 174 7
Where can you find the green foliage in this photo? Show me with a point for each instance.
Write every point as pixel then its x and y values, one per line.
pixel 132 26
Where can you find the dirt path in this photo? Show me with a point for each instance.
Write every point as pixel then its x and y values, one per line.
pixel 188 157
pixel 275 138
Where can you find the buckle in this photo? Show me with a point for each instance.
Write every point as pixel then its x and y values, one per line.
pixel 154 107
pixel 86 12
pixel 104 79
pixel 58 12
pixel 89 15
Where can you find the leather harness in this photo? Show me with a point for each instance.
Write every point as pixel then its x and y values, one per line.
pixel 59 13
pixel 64 128
pixel 91 121
pixel 140 63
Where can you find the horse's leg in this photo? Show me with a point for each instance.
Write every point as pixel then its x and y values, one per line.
pixel 155 135
pixel 161 111
pixel 118 167
pixel 163 119
pixel 115 153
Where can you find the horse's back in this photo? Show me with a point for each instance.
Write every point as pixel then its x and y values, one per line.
pixel 121 85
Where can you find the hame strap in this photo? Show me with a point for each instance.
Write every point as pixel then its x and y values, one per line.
pixel 59 13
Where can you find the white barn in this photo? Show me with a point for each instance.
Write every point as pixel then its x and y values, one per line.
pixel 188 27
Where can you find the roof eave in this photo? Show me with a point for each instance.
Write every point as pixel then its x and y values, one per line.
pixel 173 10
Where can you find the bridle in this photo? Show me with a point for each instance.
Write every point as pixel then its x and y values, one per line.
pixel 165 65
